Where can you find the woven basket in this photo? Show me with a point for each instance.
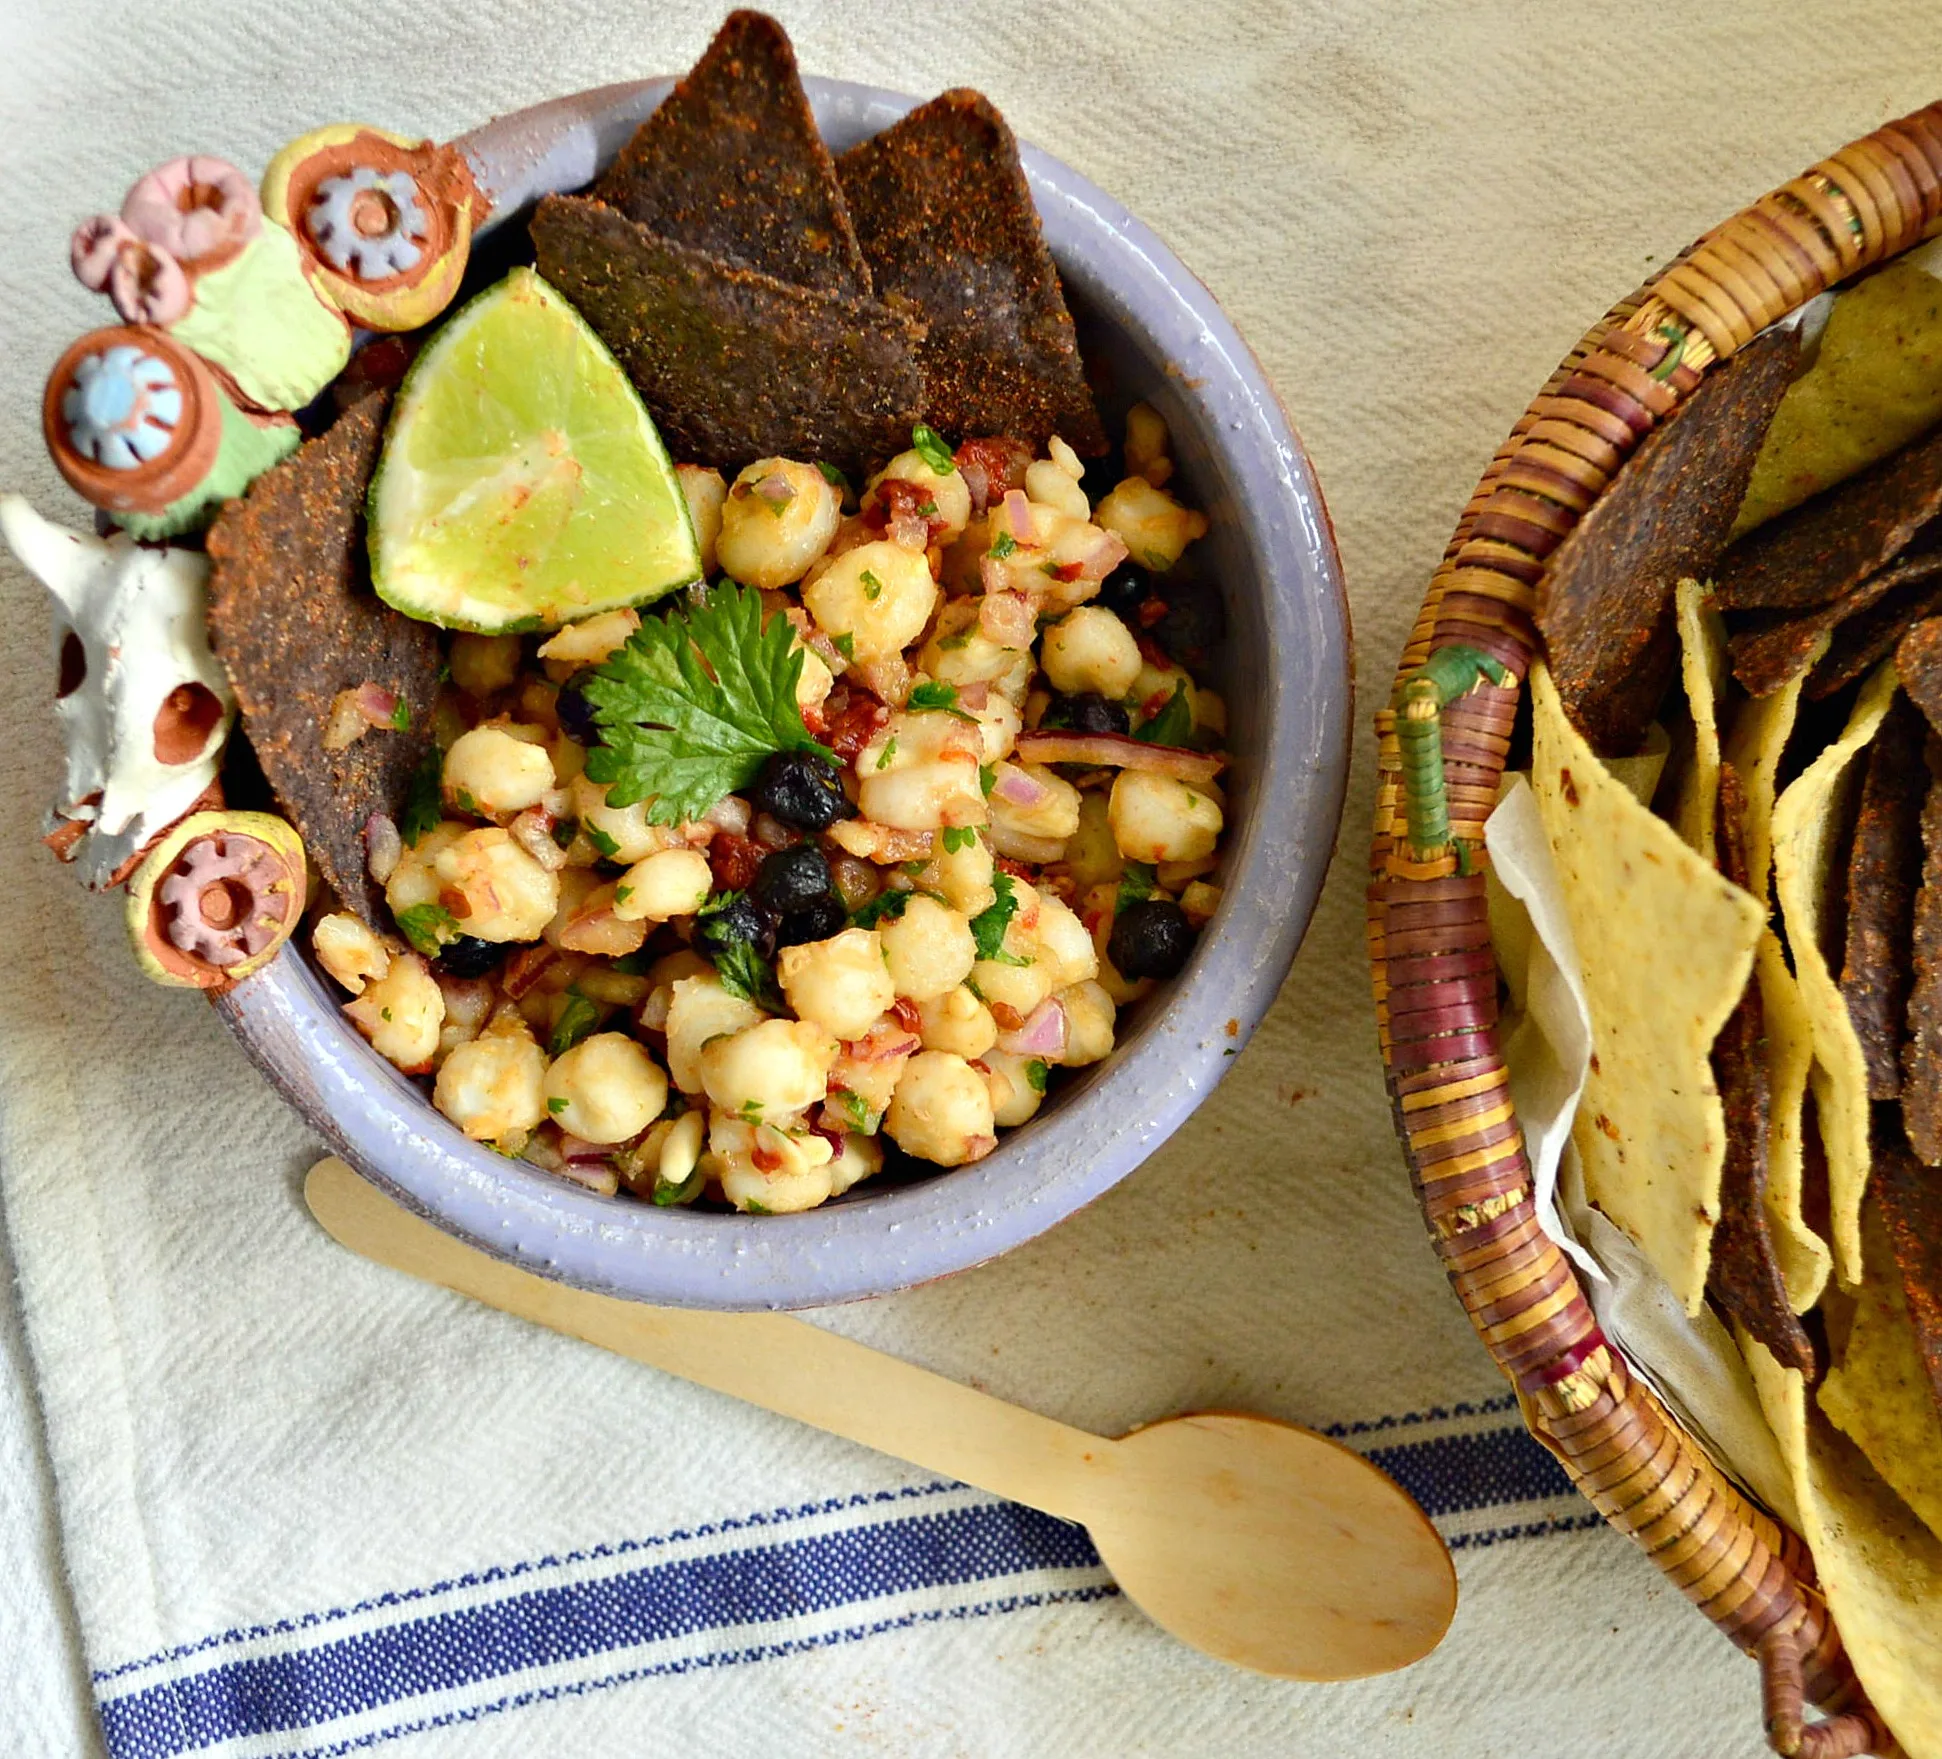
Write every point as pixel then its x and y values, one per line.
pixel 1444 742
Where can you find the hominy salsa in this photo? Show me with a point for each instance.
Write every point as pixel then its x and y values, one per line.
pixel 988 819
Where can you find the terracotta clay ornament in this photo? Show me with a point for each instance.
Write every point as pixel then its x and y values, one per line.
pixel 216 899
pixel 140 426
pixel 240 308
pixel 385 222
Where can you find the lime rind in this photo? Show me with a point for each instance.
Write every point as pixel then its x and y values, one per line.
pixel 523 484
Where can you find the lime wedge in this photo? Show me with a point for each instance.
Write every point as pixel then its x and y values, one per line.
pixel 523 484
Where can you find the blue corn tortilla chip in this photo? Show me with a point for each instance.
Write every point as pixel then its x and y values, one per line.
pixel 735 365
pixel 1605 604
pixel 1827 547
pixel 294 621
pixel 945 215
pixel 731 164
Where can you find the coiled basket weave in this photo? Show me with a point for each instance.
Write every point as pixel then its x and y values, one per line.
pixel 1443 746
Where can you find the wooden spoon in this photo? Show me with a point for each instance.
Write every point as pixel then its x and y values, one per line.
pixel 1258 1542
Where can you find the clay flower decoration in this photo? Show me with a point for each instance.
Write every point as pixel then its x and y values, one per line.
pixel 146 283
pixel 140 427
pixel 385 221
pixel 216 899
pixel 367 223
pixel 202 211
pixel 123 408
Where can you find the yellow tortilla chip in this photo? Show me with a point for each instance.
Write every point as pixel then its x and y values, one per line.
pixel 1878 1394
pixel 1875 384
pixel 1803 1255
pixel 1702 664
pixel 1806 821
pixel 1880 1568
pixel 1754 747
pixel 1666 944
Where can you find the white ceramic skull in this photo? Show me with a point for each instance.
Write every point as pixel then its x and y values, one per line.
pixel 143 704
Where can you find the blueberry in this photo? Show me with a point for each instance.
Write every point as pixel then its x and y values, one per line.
pixel 468 956
pixel 815 921
pixel 1090 713
pixel 801 790
pixel 575 712
pixel 1150 939
pixel 1124 588
pixel 743 920
pixel 1195 620
pixel 791 878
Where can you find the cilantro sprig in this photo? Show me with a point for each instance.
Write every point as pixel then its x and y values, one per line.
pixel 989 925
pixel 693 703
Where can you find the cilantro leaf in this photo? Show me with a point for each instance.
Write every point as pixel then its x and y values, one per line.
pixel 427 927
pixel 859 1116
pixel 1002 545
pixel 744 972
pixel 577 1020
pixel 845 644
pixel 1173 724
pixel 1135 886
pixel 886 905
pixel 423 804
pixel 872 586
pixel 989 925
pixel 926 443
pixel 987 779
pixel 401 716
pixel 958 837
pixel 556 1104
pixel 693 703
pixel 834 477
pixel 608 848
pixel 1037 1074
pixel 944 697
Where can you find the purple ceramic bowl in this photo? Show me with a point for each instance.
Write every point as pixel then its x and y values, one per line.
pixel 1286 677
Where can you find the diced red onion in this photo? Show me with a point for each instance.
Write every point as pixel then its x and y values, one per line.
pixel 532 830
pixel 973 697
pixel 1042 1035
pixel 1117 751
pixel 1013 516
pixel 776 489
pixel 383 847
pixel 1016 788
pixel 1102 559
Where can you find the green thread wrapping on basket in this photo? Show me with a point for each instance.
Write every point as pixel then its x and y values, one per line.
pixel 1674 336
pixel 1449 673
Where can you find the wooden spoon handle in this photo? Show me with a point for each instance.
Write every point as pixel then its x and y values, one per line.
pixel 765 1359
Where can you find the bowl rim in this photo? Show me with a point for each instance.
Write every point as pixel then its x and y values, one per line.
pixel 899 1236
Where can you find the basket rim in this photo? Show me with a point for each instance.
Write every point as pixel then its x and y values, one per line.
pixel 1443 742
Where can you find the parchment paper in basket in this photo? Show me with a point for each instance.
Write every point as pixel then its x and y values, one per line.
pixel 1690 1362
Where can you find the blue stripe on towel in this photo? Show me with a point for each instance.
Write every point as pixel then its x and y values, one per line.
pixel 512 1625
pixel 545 1627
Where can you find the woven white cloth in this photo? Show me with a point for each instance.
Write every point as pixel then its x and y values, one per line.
pixel 257 1497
